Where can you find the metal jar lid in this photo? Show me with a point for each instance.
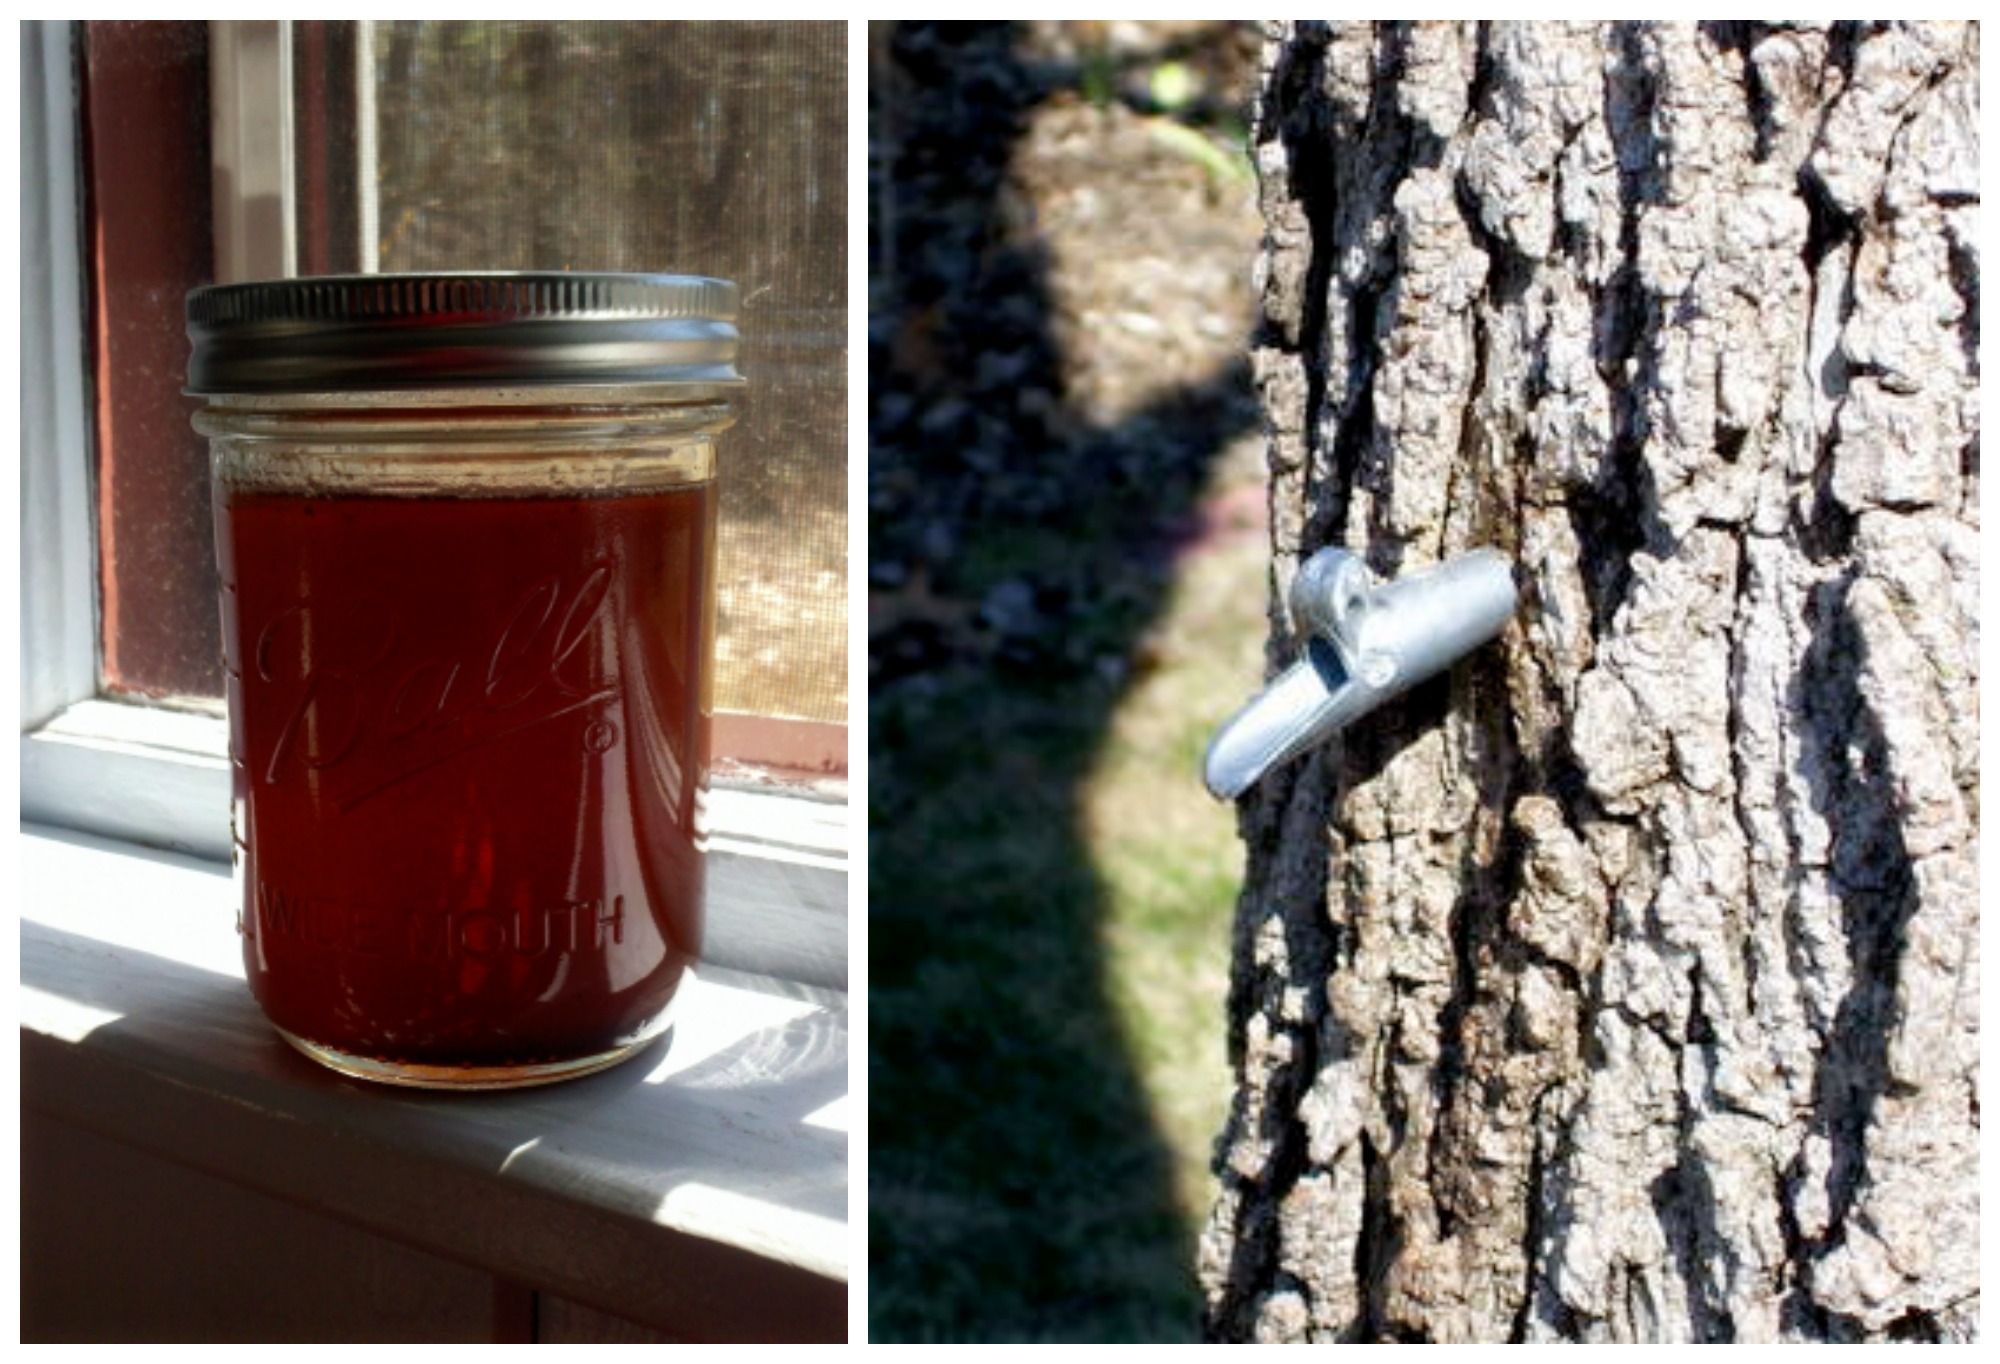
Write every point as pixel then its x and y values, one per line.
pixel 371 333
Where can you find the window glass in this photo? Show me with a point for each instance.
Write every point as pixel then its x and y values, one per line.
pixel 712 148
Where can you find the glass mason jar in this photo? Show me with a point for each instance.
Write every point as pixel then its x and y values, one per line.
pixel 466 532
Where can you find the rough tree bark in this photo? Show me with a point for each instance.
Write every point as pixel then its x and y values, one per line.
pixel 1623 985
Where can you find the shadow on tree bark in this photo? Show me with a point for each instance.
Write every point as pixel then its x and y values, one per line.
pixel 1018 1186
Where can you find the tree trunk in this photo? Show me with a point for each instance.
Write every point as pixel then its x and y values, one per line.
pixel 1624 983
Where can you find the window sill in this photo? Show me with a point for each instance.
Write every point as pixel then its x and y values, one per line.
pixel 700 1188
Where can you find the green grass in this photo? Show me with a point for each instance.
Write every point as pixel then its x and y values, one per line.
pixel 1168 854
pixel 1051 897
pixel 1016 1187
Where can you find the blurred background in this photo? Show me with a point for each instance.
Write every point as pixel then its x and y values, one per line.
pixel 1066 595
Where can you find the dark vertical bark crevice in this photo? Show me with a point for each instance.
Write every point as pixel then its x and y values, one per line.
pixel 1827 225
pixel 1824 697
pixel 1826 535
pixel 1964 258
pixel 1872 878
pixel 1487 960
pixel 1479 98
pixel 1354 429
pixel 1535 1200
pixel 1617 516
pixel 1374 1249
pixel 1684 1194
pixel 1798 1314
pixel 1741 36
pixel 1294 113
pixel 1842 46
pixel 1611 517
pixel 1349 429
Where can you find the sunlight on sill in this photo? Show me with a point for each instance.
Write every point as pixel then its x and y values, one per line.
pixel 530 1144
pixel 833 1117
pixel 780 1232
pixel 67 1020
pixel 701 1034
pixel 796 857
pixel 166 905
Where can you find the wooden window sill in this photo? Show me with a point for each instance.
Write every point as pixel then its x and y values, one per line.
pixel 699 1189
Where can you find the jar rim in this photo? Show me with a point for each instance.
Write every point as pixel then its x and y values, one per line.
pixel 462 330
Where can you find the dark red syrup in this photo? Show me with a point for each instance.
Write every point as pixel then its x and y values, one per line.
pixel 470 738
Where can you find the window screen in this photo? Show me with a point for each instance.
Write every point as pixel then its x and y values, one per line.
pixel 689 147
pixel 710 148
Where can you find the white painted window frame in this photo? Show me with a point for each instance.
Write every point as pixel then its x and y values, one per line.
pixel 152 775
pixel 141 774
